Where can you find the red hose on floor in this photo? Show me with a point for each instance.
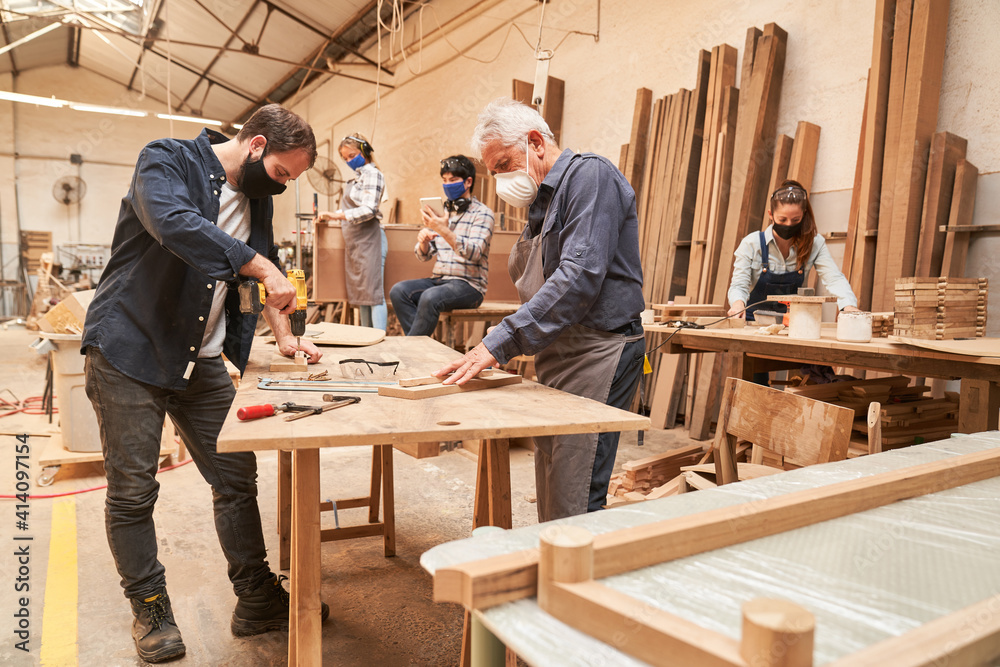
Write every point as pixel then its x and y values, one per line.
pixel 8 408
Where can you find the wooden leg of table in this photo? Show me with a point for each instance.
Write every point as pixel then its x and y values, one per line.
pixel 304 632
pixel 465 660
pixel 284 508
pixel 481 511
pixel 737 366
pixel 979 406
pixel 373 492
pixel 498 459
pixel 389 511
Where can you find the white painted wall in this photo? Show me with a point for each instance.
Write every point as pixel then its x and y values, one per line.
pixel 432 110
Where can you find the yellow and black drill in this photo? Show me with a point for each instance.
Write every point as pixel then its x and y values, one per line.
pixel 253 297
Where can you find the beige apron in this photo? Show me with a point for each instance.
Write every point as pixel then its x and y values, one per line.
pixel 362 256
pixel 580 361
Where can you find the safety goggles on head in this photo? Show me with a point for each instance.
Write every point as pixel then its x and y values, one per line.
pixel 790 194
pixel 453 166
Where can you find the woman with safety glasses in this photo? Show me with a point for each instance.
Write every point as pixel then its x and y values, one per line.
pixel 777 260
pixel 365 244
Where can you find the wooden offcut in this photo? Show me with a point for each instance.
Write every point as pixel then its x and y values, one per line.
pixel 946 151
pixel 431 390
pixel 963 203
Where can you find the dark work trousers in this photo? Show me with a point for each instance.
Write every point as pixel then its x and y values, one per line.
pixel 623 387
pixel 130 416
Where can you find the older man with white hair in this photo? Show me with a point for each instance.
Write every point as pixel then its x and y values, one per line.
pixel 576 269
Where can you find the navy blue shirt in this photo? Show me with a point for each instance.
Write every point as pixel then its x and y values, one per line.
pixel 585 212
pixel 149 313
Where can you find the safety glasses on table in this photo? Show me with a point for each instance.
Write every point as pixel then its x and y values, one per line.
pixel 363 369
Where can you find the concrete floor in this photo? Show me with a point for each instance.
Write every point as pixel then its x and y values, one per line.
pixel 381 608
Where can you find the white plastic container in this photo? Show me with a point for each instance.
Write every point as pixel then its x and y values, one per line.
pixel 854 327
pixel 77 420
pixel 805 320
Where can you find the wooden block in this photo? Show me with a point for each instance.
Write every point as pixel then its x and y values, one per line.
pixel 419 450
pixel 69 315
pixel 282 364
pixel 428 391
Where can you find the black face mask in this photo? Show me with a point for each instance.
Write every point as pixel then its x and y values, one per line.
pixel 787 231
pixel 254 181
pixel 460 205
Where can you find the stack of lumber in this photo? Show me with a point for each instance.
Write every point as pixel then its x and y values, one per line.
pixel 642 476
pixel 905 176
pixel 908 415
pixel 923 419
pixel 940 308
pixel 882 324
pixel 33 245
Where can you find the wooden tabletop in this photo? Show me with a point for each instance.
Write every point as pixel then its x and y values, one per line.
pixel 513 411
pixel 878 354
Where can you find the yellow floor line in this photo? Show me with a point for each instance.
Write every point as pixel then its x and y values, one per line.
pixel 59 616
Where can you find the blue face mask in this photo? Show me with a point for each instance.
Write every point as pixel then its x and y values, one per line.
pixel 454 190
pixel 356 162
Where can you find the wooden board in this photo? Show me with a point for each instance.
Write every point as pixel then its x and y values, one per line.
pixel 946 150
pixel 635 158
pixel 802 163
pixel 779 172
pixel 976 347
pixel 282 364
pixel 431 390
pixel 330 333
pixel 963 203
pixel 862 266
pixel 924 69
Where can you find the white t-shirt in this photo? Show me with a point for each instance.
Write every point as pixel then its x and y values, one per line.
pixel 234 219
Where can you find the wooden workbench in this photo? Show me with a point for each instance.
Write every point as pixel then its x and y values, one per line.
pixel 906 583
pixel 493 415
pixel 748 352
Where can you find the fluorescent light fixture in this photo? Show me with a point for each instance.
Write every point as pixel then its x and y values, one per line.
pixel 189 119
pixel 238 126
pixel 32 99
pixel 112 110
pixel 27 38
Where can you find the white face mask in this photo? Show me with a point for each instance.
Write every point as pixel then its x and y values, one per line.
pixel 517 188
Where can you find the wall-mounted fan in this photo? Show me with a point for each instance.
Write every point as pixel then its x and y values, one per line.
pixel 326 179
pixel 69 190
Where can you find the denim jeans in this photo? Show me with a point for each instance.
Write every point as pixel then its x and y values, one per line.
pixel 130 418
pixel 418 303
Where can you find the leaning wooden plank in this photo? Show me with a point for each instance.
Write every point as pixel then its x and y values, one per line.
pixel 963 203
pixel 486 583
pixel 875 145
pixel 635 161
pixel 852 215
pixel 652 153
pixel 668 232
pixel 969 637
pixel 779 172
pixel 946 150
pixel 803 160
pixel 659 406
pixel 706 398
pixel 428 391
pixel 756 129
pixel 924 69
pixel 720 200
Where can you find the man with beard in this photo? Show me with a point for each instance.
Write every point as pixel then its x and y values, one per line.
pixel 196 217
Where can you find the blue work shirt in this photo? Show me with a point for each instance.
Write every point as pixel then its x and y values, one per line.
pixel 585 212
pixel 149 314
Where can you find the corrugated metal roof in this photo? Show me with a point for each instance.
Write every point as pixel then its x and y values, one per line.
pixel 227 56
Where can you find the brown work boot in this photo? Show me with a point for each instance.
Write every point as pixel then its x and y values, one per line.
pixel 157 638
pixel 265 609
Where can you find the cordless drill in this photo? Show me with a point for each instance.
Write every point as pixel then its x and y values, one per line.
pixel 253 296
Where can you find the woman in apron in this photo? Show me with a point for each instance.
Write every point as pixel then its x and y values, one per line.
pixel 365 243
pixel 777 261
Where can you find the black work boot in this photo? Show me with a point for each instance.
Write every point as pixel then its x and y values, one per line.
pixel 157 638
pixel 265 609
